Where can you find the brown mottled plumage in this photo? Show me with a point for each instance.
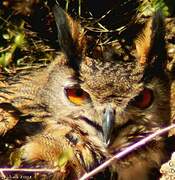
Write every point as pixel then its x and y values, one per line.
pixel 93 107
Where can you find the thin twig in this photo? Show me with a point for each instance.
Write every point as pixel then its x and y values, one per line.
pixel 5 49
pixel 126 151
pixel 90 28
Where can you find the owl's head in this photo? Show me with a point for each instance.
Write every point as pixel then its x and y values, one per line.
pixel 117 100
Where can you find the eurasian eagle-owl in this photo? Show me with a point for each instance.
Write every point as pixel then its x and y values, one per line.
pixel 94 105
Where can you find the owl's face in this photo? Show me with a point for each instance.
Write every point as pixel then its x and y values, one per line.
pixel 128 102
pixel 119 102
pixel 115 100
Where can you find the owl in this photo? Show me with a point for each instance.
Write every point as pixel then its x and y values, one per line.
pixel 91 105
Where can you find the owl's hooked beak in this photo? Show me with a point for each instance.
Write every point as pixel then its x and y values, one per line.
pixel 108 124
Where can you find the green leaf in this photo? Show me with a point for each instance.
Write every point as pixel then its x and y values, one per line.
pixel 5 58
pixel 19 39
pixel 15 158
pixel 65 157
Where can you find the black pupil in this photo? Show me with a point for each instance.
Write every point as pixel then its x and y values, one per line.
pixel 140 97
pixel 79 92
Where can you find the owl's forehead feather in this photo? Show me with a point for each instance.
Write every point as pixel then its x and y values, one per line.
pixel 104 79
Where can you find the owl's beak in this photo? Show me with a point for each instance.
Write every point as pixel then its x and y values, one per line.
pixel 108 124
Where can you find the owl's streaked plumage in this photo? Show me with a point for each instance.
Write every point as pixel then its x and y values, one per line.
pixel 95 106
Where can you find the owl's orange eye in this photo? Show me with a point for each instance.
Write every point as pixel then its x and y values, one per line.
pixel 76 95
pixel 144 99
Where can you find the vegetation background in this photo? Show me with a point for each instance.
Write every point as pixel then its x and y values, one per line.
pixel 28 37
pixel 27 29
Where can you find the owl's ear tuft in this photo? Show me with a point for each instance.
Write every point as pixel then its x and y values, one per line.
pixel 70 36
pixel 150 44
